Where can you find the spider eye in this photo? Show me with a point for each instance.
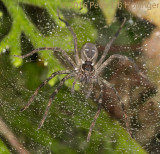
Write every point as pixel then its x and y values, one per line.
pixel 89 52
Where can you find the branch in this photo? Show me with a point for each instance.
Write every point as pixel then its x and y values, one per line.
pixel 11 138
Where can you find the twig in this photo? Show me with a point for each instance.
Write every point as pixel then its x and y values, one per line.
pixel 8 134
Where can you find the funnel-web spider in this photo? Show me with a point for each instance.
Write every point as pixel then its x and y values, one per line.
pixel 86 69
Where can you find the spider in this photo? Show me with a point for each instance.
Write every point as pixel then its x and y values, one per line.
pixel 86 69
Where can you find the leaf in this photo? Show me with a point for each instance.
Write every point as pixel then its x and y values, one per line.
pixel 109 8
pixel 3 148
pixel 69 119
pixel 21 23
pixel 67 124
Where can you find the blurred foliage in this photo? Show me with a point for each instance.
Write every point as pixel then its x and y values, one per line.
pixel 109 8
pixel 3 148
pixel 22 24
pixel 66 127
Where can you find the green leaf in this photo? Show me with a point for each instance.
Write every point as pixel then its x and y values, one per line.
pixel 67 123
pixel 69 119
pixel 3 148
pixel 21 23
pixel 109 8
pixel 1 14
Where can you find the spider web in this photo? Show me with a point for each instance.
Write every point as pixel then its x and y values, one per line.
pixel 70 116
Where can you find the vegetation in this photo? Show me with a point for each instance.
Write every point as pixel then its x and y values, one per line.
pixel 29 24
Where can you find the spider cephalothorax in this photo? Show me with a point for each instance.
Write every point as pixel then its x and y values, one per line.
pixel 86 69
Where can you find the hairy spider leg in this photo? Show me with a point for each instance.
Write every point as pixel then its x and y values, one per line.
pixel 97 113
pixel 41 85
pixel 134 66
pixel 52 97
pixel 121 105
pixel 122 58
pixel 73 85
pixel 74 40
pixel 64 54
pixel 107 47
pixel 89 91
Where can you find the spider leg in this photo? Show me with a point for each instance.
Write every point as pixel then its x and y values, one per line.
pixel 73 85
pixel 107 47
pixel 41 85
pixel 66 56
pixel 121 105
pixel 89 91
pixel 74 39
pixel 122 58
pixel 97 113
pixel 52 97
